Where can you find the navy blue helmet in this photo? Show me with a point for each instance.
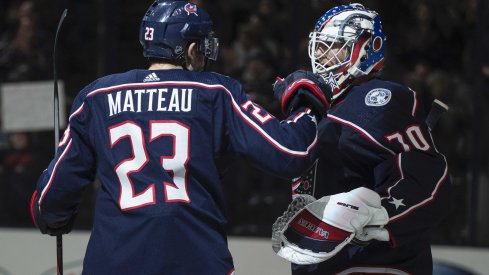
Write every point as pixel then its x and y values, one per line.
pixel 169 26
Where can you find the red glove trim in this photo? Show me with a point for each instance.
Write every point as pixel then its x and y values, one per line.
pixel 309 85
pixel 32 205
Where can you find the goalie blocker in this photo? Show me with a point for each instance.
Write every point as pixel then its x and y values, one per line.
pixel 312 231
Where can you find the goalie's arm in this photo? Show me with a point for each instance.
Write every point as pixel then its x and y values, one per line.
pixel 414 187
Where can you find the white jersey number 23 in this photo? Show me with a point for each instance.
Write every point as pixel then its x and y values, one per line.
pixel 174 164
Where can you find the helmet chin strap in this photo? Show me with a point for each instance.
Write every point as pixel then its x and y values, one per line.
pixel 204 68
pixel 184 65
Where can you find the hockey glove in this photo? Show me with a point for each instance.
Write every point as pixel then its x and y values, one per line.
pixel 303 88
pixel 323 227
pixel 43 227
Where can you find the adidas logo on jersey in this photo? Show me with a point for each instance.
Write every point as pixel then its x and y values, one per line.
pixel 151 77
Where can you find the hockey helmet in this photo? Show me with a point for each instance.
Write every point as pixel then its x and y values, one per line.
pixel 169 26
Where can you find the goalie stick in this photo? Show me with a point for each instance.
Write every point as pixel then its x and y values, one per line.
pixel 438 108
pixel 59 238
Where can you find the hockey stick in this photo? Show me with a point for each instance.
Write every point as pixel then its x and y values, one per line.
pixel 438 108
pixel 59 238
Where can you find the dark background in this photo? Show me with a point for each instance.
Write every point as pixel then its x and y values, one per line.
pixel 439 48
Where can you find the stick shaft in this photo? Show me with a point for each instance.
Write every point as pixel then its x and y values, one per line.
pixel 59 238
pixel 59 254
pixel 55 78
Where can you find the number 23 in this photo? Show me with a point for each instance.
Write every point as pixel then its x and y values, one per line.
pixel 148 35
pixel 175 164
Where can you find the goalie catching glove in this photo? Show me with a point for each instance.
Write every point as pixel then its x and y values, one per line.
pixel 312 231
pixel 303 88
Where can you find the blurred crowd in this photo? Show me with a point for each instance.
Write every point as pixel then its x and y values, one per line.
pixel 438 48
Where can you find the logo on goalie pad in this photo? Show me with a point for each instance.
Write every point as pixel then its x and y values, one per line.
pixel 311 233
pixel 313 228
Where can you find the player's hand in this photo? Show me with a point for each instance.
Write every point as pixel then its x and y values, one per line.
pixel 303 88
pixel 323 227
pixel 43 227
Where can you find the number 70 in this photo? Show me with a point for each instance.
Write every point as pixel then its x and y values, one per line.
pixel 415 137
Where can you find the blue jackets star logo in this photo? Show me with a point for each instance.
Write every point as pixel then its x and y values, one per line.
pixel 397 202
pixel 331 80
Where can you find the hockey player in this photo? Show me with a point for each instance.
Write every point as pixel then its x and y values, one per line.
pixel 382 183
pixel 157 140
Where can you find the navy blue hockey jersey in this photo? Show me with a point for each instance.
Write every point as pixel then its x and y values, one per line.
pixel 157 142
pixel 376 136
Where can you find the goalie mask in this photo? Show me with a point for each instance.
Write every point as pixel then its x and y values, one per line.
pixel 347 43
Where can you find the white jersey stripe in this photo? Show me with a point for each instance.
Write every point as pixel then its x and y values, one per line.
pixel 415 103
pixel 361 131
pixel 48 185
pixel 151 84
pixel 425 201
pixel 401 178
pixel 79 110
pixel 296 117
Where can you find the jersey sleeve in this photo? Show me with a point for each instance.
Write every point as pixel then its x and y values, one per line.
pixel 283 148
pixel 414 187
pixel 60 187
pixel 409 173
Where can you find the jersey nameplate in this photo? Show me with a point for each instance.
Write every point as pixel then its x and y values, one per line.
pixel 378 97
pixel 147 100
